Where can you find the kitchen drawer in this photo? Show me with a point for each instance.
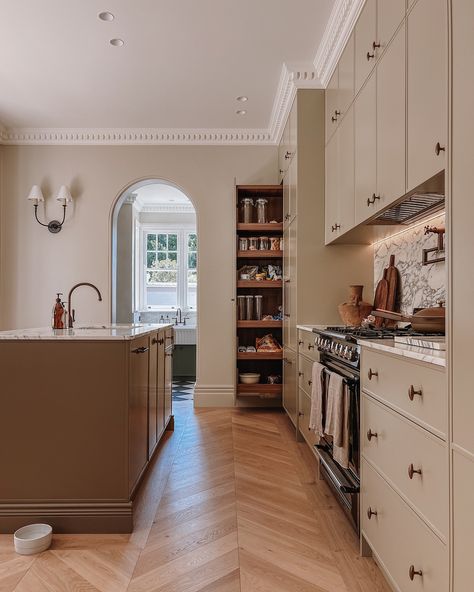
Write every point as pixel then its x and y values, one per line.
pixel 399 538
pixel 306 344
pixel 396 377
pixel 305 373
pixel 304 411
pixel 400 444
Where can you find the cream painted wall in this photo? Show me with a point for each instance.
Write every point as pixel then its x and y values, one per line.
pixel 35 264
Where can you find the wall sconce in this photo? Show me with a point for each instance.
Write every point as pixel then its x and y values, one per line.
pixel 64 196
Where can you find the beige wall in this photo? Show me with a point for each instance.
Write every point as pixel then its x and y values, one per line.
pixel 35 264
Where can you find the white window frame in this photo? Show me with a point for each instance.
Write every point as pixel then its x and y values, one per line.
pixel 182 230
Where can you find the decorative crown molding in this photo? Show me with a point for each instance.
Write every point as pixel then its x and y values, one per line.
pixel 293 77
pixel 338 30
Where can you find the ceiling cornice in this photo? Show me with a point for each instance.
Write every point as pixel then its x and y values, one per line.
pixel 293 77
pixel 338 30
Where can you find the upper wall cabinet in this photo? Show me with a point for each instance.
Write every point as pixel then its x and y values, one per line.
pixel 375 28
pixel 287 146
pixel 340 90
pixel 427 90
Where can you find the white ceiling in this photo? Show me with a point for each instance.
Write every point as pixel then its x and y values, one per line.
pixel 183 63
pixel 160 193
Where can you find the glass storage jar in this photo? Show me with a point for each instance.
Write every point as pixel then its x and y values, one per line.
pixel 241 308
pixel 262 217
pixel 249 307
pixel 264 243
pixel 246 210
pixel 258 307
pixel 243 243
pixel 253 243
pixel 275 243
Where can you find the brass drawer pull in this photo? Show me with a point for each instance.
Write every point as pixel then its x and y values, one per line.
pixel 371 513
pixel 370 55
pixel 335 227
pixel 140 350
pixel 300 414
pixel 412 392
pixel 300 342
pixel 300 373
pixel 412 471
pixel 439 148
pixel 371 434
pixel 310 346
pixel 154 340
pixel 373 199
pixel 310 382
pixel 412 572
pixel 371 373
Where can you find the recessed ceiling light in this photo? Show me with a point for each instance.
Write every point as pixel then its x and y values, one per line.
pixel 117 42
pixel 242 99
pixel 241 112
pixel 106 16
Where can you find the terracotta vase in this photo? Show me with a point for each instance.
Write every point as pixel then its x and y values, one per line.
pixel 355 310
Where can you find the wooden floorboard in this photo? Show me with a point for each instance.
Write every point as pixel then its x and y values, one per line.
pixel 232 504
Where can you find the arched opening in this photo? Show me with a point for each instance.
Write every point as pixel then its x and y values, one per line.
pixel 155 268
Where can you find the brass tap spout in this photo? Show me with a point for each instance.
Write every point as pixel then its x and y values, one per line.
pixel 71 313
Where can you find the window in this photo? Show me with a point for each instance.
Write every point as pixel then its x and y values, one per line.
pixel 169 261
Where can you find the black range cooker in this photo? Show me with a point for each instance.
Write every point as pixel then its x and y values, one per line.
pixel 339 351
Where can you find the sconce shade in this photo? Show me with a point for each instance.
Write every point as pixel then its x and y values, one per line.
pixel 64 194
pixel 35 194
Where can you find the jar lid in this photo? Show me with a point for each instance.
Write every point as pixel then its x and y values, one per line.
pixel 247 200
pixel 263 238
pixel 258 296
pixel 261 200
pixel 253 238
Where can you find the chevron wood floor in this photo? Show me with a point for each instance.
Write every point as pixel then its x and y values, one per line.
pixel 232 504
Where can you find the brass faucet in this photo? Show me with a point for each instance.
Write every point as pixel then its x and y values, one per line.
pixel 71 313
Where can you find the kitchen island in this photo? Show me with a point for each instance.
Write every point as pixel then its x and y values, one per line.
pixel 82 413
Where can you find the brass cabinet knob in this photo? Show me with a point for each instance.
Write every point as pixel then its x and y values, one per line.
pixel 371 373
pixel 300 342
pixel 370 56
pixel 412 572
pixel 439 148
pixel 310 382
pixel 310 346
pixel 371 434
pixel 372 200
pixel 375 45
pixel 335 227
pixel 300 373
pixel 300 413
pixel 371 513
pixel 412 471
pixel 154 340
pixel 412 392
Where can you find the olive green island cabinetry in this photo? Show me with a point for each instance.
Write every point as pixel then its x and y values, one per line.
pixel 82 413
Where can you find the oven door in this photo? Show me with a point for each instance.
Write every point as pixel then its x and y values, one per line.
pixel 344 482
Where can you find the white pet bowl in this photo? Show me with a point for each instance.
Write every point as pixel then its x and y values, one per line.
pixel 33 538
pixel 249 378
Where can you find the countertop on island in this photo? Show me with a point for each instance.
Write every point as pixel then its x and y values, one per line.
pixel 96 332
pixel 423 354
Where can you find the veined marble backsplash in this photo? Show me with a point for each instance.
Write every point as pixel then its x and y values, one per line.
pixel 420 285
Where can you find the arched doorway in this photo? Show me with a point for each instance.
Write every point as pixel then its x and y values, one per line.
pixel 155 267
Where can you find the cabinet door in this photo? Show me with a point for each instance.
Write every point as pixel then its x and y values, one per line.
pixel 463 521
pixel 346 172
pixel 292 180
pixel 365 139
pixel 160 410
pixel 138 409
pixel 287 280
pixel 391 147
pixel 365 36
pixel 168 384
pixel 331 104
pixel 293 131
pixel 292 287
pixel 390 14
pixel 427 90
pixel 346 77
pixel 290 384
pixel 283 149
pixel 286 199
pixel 153 395
pixel 331 210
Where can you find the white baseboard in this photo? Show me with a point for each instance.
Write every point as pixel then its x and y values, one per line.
pixel 211 395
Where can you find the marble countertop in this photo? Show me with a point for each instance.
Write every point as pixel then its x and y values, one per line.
pixel 423 354
pixel 94 332
pixel 310 327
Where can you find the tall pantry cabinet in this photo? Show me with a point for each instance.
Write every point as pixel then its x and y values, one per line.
pixel 315 277
pixel 461 327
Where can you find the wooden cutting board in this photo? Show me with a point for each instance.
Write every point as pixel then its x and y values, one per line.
pixel 392 276
pixel 381 297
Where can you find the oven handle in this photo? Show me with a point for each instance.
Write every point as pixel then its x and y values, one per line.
pixel 335 473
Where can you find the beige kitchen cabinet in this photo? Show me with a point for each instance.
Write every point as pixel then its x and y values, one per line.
pixel 168 376
pixel 427 115
pixel 289 286
pixel 153 395
pixel 365 35
pixel 391 136
pixel 91 423
pixel 390 14
pixel 332 112
pixel 138 409
pixel 290 383
pixel 160 383
pixel 365 154
pixel 289 192
pixel 283 151
pixel 463 520
pixel 339 215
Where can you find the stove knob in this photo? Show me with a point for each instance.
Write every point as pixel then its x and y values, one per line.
pixel 347 353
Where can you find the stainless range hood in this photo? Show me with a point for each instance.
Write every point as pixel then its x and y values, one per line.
pixel 419 203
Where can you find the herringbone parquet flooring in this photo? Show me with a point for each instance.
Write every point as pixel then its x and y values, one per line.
pixel 232 504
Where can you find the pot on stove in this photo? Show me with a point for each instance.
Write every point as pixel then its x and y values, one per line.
pixel 426 320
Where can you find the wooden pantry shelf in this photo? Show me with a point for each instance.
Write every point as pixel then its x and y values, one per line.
pixel 259 324
pixel 278 227
pixel 260 355
pixel 262 284
pixel 258 254
pixel 257 390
